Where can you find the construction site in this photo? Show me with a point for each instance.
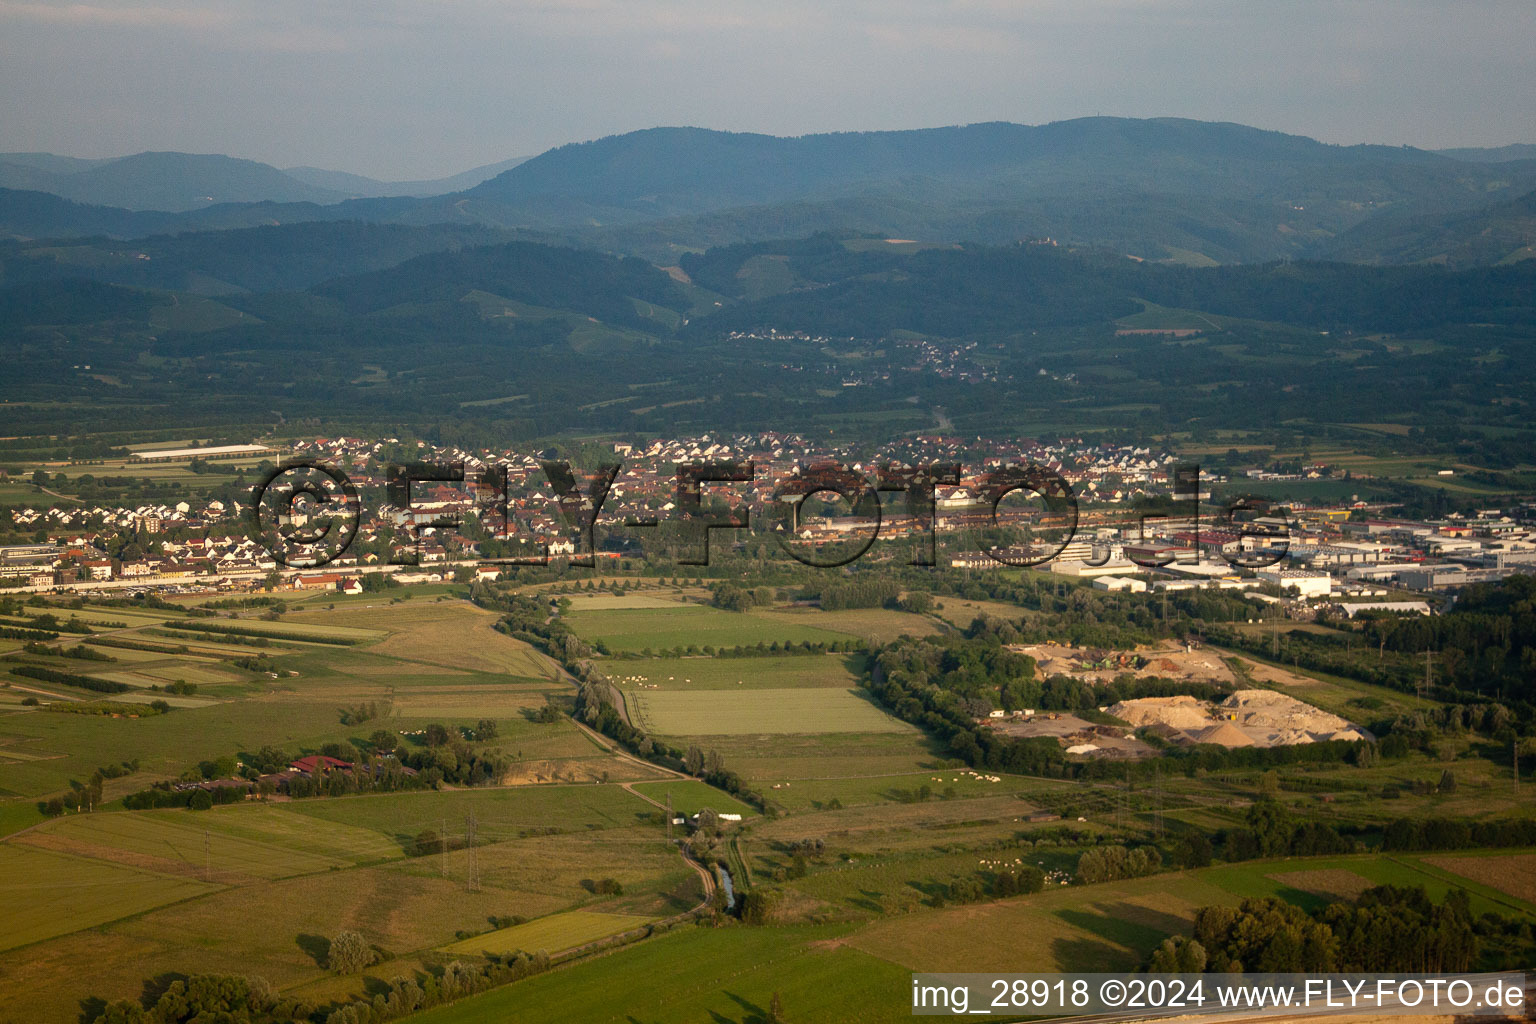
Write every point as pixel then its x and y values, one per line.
pixel 1168 660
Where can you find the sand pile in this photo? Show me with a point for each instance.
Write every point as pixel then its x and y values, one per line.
pixel 1185 713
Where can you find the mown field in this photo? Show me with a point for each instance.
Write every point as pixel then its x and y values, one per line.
pixel 760 711
pixel 548 934
pixel 44 893
pixel 770 672
pixel 239 841
pixel 704 974
pixel 502 813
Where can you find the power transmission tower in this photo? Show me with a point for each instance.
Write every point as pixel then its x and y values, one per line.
pixel 442 845
pixel 1157 803
pixel 669 815
pixel 472 870
pixel 207 857
pixel 1429 673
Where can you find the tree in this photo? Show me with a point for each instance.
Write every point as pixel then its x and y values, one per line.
pixel 436 734
pixel 694 760
pixel 427 842
pixel 350 953
pixel 383 741
pixel 775 1010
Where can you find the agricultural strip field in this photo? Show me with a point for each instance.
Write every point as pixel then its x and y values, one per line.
pixel 752 712
pixel 549 934
pixel 638 629
pixel 44 894
pixel 780 672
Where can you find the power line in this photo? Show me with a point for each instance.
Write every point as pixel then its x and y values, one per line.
pixel 473 868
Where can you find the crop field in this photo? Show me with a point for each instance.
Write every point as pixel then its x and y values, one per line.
pixel 612 602
pixel 689 796
pixel 639 629
pixel 795 756
pixel 163 744
pixel 43 894
pixel 750 712
pixel 256 841
pixel 873 625
pixel 467 703
pixel 815 794
pixel 705 974
pixel 1107 927
pixel 447 634
pixel 1513 875
pixel 774 673
pixel 502 813
pixel 1257 878
pixel 549 934
pixel 167 671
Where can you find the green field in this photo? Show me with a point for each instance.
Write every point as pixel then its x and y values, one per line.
pixel 44 894
pixel 636 629
pixel 704 974
pixel 689 796
pixel 502 813
pixel 751 712
pixel 259 841
pixel 772 672
pixel 549 934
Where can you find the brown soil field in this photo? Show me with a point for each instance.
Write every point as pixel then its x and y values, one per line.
pixel 1513 875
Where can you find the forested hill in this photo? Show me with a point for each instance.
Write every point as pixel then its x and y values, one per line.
pixel 1163 189
pixel 824 287
pixel 590 283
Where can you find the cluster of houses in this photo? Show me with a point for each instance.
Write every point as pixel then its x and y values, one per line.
pixel 1329 550
pixel 311 767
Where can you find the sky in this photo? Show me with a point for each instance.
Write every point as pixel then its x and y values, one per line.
pixel 404 89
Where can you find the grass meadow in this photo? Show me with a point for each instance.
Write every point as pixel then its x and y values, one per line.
pixel 770 672
pixel 752 712
pixel 639 629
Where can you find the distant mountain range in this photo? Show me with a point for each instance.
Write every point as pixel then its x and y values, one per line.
pixel 1164 190
pixel 180 182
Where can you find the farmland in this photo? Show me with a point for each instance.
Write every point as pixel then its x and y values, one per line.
pixel 549 934
pixel 641 629
pixel 897 819
pixel 782 672
pixel 689 796
pixel 48 894
pixel 752 712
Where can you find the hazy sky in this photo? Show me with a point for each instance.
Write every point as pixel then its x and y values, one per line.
pixel 422 88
